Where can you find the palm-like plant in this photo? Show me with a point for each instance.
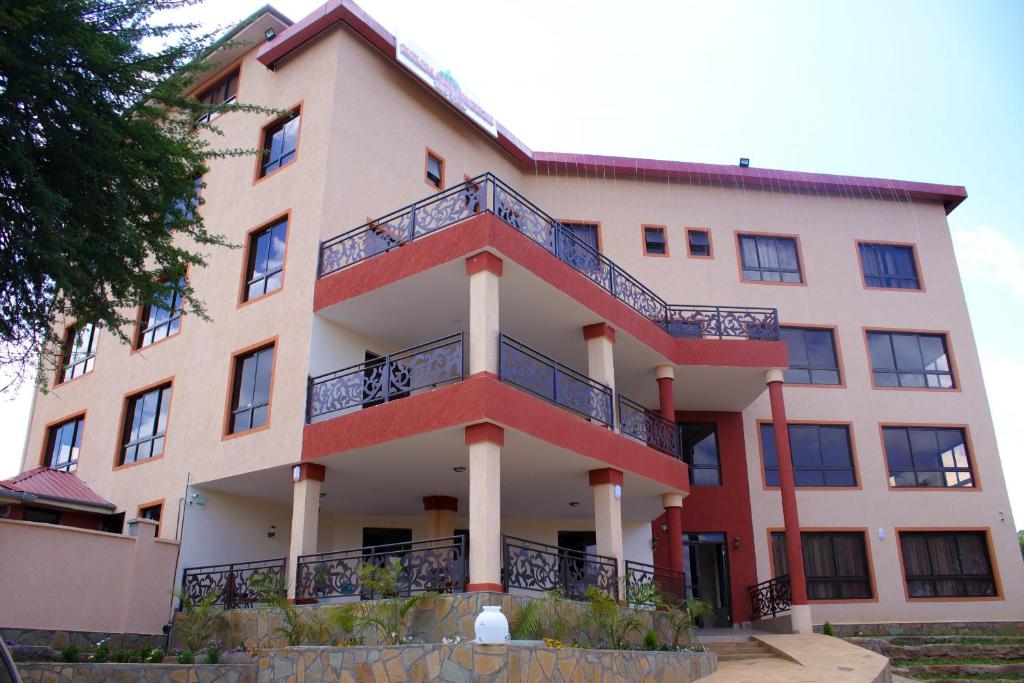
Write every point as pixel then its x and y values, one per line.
pixel 201 619
pixel 386 616
pixel 612 623
pixel 682 614
pixel 549 617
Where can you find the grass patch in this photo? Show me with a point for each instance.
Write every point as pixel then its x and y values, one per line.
pixel 957 640
pixel 974 677
pixel 943 661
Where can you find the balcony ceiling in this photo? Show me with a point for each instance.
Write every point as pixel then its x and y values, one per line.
pixel 435 303
pixel 538 480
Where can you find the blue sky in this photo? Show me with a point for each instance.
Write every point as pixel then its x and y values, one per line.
pixel 930 91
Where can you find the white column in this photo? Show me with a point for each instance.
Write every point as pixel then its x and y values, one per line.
pixel 485 441
pixel 601 353
pixel 307 478
pixel 607 486
pixel 484 271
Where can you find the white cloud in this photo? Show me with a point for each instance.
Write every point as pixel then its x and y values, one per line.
pixel 989 255
pixel 1004 376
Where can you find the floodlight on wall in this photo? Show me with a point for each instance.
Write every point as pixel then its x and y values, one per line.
pixel 272 532
pixel 270 33
pixel 744 162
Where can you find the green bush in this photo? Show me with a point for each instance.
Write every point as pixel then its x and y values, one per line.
pixel 213 655
pixel 102 653
pixel 549 617
pixel 154 656
pixel 69 654
pixel 187 657
pixel 386 616
pixel 651 640
pixel 126 656
pixel 827 629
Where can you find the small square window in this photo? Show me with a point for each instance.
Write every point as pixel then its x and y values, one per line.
pixel 698 242
pixel 434 171
pixel 767 258
pixel 78 352
pixel 224 91
pixel 152 512
pixel 889 266
pixel 655 242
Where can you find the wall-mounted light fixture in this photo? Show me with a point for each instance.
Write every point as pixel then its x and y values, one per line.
pixel 744 161
pixel 664 527
pixel 736 543
pixel 272 532
pixel 654 543
pixel 270 33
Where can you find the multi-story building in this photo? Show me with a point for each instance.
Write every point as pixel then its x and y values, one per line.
pixel 567 368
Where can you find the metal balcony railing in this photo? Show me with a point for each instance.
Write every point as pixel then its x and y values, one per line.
pixel 438 564
pixel 237 585
pixel 487 193
pixel 645 425
pixel 548 379
pixel 528 565
pixel 386 378
pixel 641 577
pixel 771 597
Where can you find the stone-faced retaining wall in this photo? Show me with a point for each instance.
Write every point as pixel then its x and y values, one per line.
pixel 924 628
pixel 84 640
pixel 480 663
pixel 442 617
pixel 52 672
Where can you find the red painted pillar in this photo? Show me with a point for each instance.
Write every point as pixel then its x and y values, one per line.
pixel 790 516
pixel 666 398
pixel 673 504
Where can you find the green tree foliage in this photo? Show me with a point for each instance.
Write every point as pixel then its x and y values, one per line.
pixel 388 616
pixel 101 154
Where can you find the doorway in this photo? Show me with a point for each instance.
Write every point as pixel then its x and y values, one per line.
pixel 706 563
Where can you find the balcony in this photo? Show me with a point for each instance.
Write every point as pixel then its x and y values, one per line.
pixel 487 194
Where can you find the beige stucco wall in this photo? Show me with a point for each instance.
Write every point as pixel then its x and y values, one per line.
pixel 61 578
pixel 364 132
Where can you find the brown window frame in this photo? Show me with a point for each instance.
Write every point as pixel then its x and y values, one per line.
pixel 646 242
pixel 431 154
pixel 67 350
pixel 263 162
pixel 248 263
pixel 71 464
pixel 152 505
pixel 234 388
pixel 689 245
pixel 164 391
pixel 937 578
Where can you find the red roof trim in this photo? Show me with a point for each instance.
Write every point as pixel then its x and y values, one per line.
pixel 349 13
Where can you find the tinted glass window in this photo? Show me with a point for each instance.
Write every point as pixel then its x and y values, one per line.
pixel 770 259
pixel 906 359
pixel 145 425
pixel 163 318
pixel 63 443
pixel 265 268
pixel 700 452
pixel 822 455
pixel 79 351
pixel 812 356
pixel 947 564
pixel 924 457
pixel 889 266
pixel 280 143
pixel 835 564
pixel 700 242
pixel 654 240
pixel 251 395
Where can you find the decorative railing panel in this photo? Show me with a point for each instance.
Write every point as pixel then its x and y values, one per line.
pixel 647 426
pixel 386 378
pixel 545 378
pixel 539 567
pixel 722 321
pixel 471 197
pixel 237 585
pixel 644 581
pixel 771 597
pixel 438 564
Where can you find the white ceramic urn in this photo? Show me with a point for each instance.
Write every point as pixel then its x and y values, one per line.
pixel 491 626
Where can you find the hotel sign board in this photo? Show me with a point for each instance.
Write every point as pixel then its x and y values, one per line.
pixel 442 82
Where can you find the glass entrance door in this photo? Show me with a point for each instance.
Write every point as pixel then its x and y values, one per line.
pixel 707 575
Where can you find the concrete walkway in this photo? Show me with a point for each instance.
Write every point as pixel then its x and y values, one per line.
pixel 806 659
